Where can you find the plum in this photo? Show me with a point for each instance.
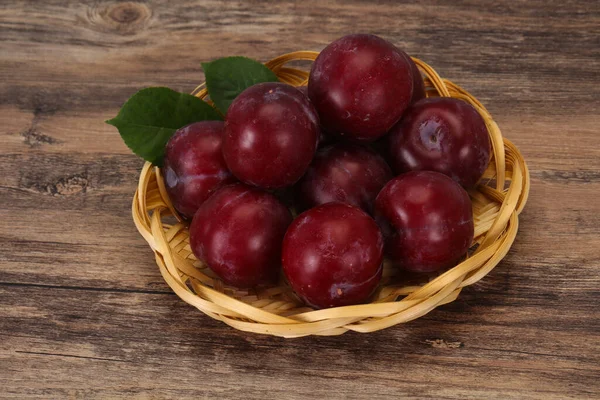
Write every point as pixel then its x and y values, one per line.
pixel 332 255
pixel 194 166
pixel 427 220
pixel 418 84
pixel 271 135
pixel 360 85
pixel 344 172
pixel 238 233
pixel 441 134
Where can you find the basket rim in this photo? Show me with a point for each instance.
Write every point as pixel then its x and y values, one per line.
pixel 500 207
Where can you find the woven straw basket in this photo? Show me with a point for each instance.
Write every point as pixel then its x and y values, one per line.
pixel 497 202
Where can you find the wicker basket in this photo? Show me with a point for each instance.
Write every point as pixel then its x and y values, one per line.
pixel 497 202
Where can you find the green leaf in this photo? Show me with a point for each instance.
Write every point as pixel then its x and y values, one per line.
pixel 227 77
pixel 150 117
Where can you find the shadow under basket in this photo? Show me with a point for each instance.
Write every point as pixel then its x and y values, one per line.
pixel 497 202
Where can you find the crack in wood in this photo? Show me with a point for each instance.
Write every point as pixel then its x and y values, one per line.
pixel 68 186
pixel 87 288
pixel 568 176
pixel 443 344
pixel 41 353
pixel 31 136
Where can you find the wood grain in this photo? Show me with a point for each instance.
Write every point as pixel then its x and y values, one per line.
pixel 84 312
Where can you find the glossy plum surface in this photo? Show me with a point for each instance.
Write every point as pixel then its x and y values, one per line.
pixel 427 219
pixel 441 134
pixel 303 89
pixel 271 134
pixel 194 166
pixel 238 233
pixel 418 84
pixel 323 138
pixel 344 172
pixel 332 255
pixel 360 84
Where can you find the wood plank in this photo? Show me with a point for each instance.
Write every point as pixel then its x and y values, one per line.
pixel 90 333
pixel 84 312
pixel 101 246
pixel 89 49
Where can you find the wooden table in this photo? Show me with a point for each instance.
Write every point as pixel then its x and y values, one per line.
pixel 84 312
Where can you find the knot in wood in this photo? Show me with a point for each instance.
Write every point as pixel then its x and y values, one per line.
pixel 126 13
pixel 126 18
